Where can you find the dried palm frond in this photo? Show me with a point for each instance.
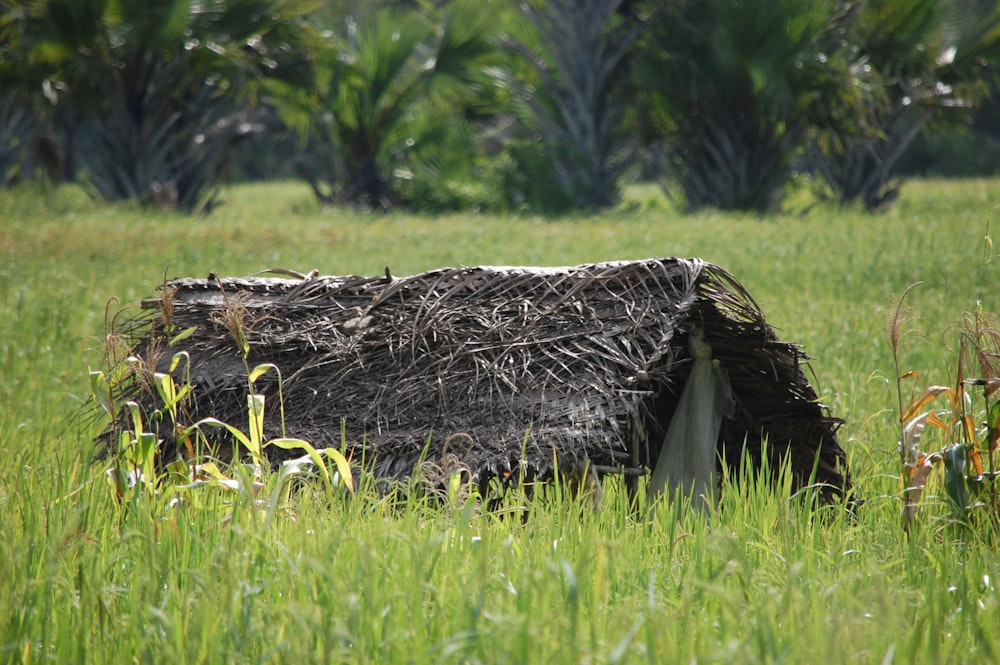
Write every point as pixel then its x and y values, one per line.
pixel 504 371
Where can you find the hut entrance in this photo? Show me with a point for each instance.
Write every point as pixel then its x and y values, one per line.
pixel 510 370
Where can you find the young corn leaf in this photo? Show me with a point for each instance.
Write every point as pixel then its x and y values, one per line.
pixel 343 466
pixel 178 472
pixel 255 413
pixel 171 397
pixel 175 360
pixel 208 474
pixel 454 487
pixel 99 389
pixel 229 484
pixel 261 370
pixel 209 471
pixel 139 451
pixel 133 366
pixel 215 422
pixel 147 456
pixel 183 335
pixel 136 413
pixel 167 389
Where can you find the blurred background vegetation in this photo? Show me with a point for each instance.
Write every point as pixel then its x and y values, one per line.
pixel 496 104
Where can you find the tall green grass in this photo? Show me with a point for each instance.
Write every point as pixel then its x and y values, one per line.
pixel 765 578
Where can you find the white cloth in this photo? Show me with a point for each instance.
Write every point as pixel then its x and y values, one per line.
pixel 687 459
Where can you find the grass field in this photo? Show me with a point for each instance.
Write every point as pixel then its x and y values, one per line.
pixel 763 580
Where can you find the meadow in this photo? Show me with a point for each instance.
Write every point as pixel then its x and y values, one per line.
pixel 763 579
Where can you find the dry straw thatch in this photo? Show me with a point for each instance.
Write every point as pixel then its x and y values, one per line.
pixel 504 370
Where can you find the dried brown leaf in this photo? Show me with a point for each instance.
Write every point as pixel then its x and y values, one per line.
pixel 917 481
pixel 922 400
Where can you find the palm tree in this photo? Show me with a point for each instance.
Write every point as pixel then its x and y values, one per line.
pixel 160 86
pixel 727 87
pixel 576 56
pixel 913 63
pixel 367 86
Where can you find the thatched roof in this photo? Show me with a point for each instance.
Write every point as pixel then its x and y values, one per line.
pixel 494 365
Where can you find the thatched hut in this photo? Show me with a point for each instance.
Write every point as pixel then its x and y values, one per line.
pixel 514 371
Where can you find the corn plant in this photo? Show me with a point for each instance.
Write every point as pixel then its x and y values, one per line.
pixel 954 427
pixel 137 472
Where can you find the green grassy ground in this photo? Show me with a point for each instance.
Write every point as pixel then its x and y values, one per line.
pixel 762 580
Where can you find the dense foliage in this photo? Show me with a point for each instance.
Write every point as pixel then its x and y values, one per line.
pixel 911 63
pixel 730 88
pixel 544 105
pixel 147 98
pixel 361 109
